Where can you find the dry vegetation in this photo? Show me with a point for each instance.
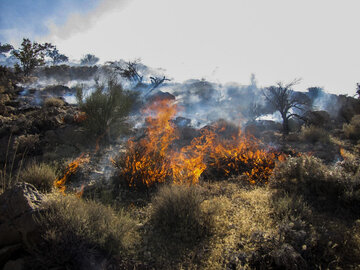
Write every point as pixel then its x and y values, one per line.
pixel 241 206
pixel 41 175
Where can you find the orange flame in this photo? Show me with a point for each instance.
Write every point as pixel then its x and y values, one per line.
pixel 80 117
pixel 154 159
pixel 72 167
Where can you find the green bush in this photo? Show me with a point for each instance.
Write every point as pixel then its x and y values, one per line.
pixel 41 175
pixel 314 134
pixel 352 130
pixel 178 220
pixel 75 231
pixel 107 107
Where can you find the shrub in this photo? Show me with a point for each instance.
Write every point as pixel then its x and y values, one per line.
pixel 26 143
pixel 178 220
pixel 75 231
pixel 315 208
pixel 53 102
pixel 323 186
pixel 41 175
pixel 352 130
pixel 314 134
pixel 107 107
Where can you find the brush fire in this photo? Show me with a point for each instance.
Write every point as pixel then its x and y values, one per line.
pixel 71 169
pixel 156 158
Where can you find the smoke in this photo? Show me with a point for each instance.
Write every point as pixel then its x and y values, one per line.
pixel 77 22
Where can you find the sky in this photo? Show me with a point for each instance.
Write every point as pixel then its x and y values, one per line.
pixel 218 40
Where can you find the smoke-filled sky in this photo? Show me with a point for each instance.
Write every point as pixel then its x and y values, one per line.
pixel 219 40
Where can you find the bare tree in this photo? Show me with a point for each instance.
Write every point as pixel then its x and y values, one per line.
pixel 128 71
pixel 156 82
pixel 286 101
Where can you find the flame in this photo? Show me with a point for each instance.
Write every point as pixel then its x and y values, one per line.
pixel 72 167
pixel 155 159
pixel 80 117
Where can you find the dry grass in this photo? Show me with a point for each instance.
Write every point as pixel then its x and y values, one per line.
pixel 76 232
pixel 313 134
pixel 316 208
pixel 352 130
pixel 243 225
pixel 26 143
pixel 53 102
pixel 41 175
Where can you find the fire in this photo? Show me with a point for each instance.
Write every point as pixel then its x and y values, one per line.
pixel 80 117
pixel 155 159
pixel 72 167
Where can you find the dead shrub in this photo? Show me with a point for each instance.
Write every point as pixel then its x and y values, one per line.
pixel 27 143
pixel 41 175
pixel 53 102
pixel 76 232
pixel 352 130
pixel 313 134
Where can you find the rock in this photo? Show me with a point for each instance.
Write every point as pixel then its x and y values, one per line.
pixel 18 206
pixel 18 264
pixel 7 252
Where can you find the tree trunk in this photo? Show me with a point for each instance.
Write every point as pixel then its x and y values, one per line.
pixel 285 125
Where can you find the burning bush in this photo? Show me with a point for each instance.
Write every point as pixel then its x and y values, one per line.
pixel 107 107
pixel 71 168
pixel 155 158
pixel 74 232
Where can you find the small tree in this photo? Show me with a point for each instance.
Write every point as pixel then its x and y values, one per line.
pixel 129 71
pixel 358 90
pixel 31 55
pixel 4 48
pixel 285 100
pixel 89 60
pixel 108 106
pixel 56 57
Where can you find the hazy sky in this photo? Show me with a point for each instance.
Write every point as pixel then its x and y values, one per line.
pixel 219 40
